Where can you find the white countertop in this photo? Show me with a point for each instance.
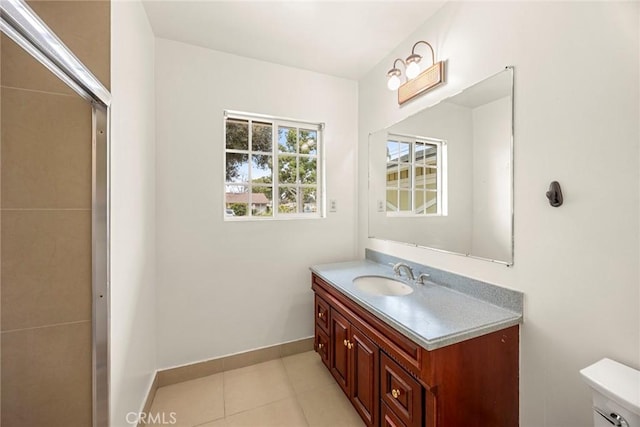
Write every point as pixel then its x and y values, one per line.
pixel 433 316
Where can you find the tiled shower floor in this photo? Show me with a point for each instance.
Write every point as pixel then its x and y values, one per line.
pixel 289 392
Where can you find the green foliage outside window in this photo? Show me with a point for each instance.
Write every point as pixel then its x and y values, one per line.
pixel 254 162
pixel 239 209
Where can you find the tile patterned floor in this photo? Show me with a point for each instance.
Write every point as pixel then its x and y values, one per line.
pixel 294 391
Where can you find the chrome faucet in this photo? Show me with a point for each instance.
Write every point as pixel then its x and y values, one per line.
pixel 403 266
pixel 422 278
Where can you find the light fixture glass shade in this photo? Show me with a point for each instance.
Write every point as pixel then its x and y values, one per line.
pixel 394 82
pixel 413 69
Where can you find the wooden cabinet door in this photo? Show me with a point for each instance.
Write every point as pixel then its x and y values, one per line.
pixel 339 359
pixel 321 346
pixel 364 376
pixel 401 392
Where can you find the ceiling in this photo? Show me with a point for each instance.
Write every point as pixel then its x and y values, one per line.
pixel 340 38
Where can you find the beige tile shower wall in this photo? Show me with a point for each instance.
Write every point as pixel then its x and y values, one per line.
pixel 45 224
pixel 85 27
pixel 46 259
pixel 47 376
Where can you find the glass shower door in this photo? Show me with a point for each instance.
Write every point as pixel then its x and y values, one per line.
pixel 53 243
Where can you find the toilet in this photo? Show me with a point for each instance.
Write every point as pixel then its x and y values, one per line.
pixel 616 393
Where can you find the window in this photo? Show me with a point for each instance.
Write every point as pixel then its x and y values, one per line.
pixel 272 168
pixel 415 181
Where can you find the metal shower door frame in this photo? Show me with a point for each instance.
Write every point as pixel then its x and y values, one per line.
pixel 23 26
pixel 100 233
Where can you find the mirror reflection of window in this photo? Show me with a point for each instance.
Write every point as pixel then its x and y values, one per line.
pixel 414 171
pixel 461 198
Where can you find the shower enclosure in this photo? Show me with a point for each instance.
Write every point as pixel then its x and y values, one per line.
pixel 54 226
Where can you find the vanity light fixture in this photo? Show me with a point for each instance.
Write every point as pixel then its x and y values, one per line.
pixel 416 82
pixel 413 60
pixel 394 75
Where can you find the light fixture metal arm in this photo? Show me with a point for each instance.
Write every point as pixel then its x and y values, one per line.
pixel 395 70
pixel 433 55
pixel 396 60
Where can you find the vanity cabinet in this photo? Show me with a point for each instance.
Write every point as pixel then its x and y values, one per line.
pixel 394 382
pixel 354 365
pixel 400 392
pixel 321 342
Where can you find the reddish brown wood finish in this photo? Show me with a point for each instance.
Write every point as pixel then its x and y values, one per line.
pixel 404 351
pixel 364 376
pixel 389 419
pixel 430 407
pixel 322 314
pixel 478 381
pixel 321 346
pixel 407 402
pixel 339 358
pixel 473 383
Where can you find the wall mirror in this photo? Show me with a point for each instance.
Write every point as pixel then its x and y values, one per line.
pixel 443 178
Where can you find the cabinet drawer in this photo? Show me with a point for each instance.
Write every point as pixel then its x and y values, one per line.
pixel 389 419
pixel 321 346
pixel 322 314
pixel 401 392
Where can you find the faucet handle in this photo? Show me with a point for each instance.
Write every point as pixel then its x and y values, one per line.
pixel 393 265
pixel 421 278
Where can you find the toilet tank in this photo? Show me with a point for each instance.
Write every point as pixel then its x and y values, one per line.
pixel 616 393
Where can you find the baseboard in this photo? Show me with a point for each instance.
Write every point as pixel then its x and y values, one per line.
pixel 226 363
pixel 151 395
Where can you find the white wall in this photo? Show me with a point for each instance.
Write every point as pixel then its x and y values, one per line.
pixel 576 121
pixel 491 183
pixel 133 265
pixel 234 286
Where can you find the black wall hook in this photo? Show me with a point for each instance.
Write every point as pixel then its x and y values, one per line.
pixel 555 194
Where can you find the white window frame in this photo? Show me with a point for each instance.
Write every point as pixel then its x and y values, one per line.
pixel 441 176
pixel 276 123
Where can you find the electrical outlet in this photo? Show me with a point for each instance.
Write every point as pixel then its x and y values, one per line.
pixel 380 206
pixel 332 206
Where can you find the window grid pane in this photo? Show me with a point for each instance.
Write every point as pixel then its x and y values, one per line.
pixel 288 202
pixel 308 141
pixel 412 176
pixel 261 137
pixel 237 167
pixel 264 178
pixel 237 134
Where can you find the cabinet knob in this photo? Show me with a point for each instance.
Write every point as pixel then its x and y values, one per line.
pixel 320 345
pixel 349 345
pixel 345 342
pixel 395 393
pixel 321 315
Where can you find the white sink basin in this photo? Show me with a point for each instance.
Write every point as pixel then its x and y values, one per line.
pixel 378 285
